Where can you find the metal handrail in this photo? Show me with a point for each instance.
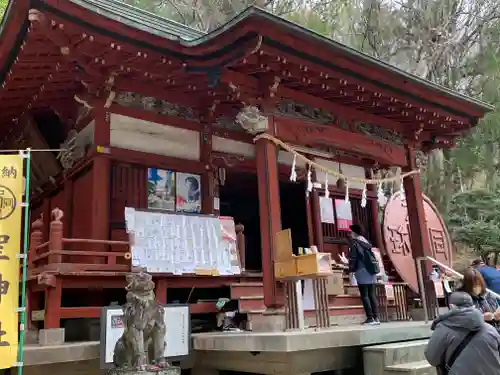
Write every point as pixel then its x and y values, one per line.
pixel 420 277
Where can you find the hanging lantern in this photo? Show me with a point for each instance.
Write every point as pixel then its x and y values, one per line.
pixel 293 172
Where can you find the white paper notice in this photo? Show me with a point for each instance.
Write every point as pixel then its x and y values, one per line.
pixel 326 210
pixel 182 244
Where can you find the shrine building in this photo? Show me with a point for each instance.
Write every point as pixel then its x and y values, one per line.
pixel 123 99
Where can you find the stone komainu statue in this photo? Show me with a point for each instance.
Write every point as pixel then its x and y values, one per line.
pixel 143 340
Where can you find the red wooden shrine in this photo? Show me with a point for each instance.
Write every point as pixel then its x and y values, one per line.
pixel 123 91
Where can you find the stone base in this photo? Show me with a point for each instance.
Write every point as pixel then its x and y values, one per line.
pixel 172 370
pixel 53 336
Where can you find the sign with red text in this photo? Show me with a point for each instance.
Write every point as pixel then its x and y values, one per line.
pixel 344 214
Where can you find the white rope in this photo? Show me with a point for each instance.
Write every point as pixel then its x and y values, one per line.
pixel 329 171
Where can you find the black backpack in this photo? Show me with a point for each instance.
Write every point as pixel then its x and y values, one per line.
pixel 370 261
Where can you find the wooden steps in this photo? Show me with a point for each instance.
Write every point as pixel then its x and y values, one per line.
pixel 250 297
pixel 252 303
pixel 342 309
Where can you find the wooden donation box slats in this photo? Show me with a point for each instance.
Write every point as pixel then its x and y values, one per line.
pixel 171 243
pixel 305 266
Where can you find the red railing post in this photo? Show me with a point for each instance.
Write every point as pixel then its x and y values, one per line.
pixel 36 238
pixel 56 235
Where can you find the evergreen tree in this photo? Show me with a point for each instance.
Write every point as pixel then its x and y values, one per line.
pixel 474 220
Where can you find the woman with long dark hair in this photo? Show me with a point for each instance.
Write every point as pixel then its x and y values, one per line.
pixel 474 285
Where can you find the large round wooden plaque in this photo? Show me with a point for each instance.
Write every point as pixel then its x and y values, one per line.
pixel 396 232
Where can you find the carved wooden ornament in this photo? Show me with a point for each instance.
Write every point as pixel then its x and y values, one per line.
pixel 396 232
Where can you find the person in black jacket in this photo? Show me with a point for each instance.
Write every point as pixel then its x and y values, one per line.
pixel 364 265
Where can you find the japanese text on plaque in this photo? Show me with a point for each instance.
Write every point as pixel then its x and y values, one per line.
pixel 11 190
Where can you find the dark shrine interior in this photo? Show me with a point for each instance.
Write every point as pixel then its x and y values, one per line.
pixel 239 199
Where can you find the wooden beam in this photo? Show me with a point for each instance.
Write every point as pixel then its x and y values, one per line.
pixel 304 133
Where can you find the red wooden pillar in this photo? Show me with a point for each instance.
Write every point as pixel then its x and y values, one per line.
pixel 33 304
pixel 161 290
pixel 269 211
pixel 53 295
pixel 377 229
pixel 101 178
pixel 419 237
pixel 36 239
pixel 415 203
pixel 207 180
pixel 310 224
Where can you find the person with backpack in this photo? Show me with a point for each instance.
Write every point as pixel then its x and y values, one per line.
pixel 363 263
pixel 462 343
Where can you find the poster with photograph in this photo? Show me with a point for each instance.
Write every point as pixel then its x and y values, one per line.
pixel 188 193
pixel 161 189
pixel 344 214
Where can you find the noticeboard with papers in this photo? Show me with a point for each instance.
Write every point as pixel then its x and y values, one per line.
pixel 180 244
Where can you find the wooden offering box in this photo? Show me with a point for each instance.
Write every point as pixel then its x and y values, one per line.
pixel 285 269
pixel 314 265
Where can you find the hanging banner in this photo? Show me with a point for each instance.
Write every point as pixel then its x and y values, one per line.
pixel 11 197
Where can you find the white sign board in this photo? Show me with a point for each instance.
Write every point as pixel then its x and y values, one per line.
pixel 177 339
pixel 182 244
pixel 326 212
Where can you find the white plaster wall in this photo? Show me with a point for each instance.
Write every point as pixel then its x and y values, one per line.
pixel 230 146
pixel 140 135
pixel 286 158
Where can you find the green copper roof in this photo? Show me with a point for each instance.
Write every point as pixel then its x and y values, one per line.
pixel 140 19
